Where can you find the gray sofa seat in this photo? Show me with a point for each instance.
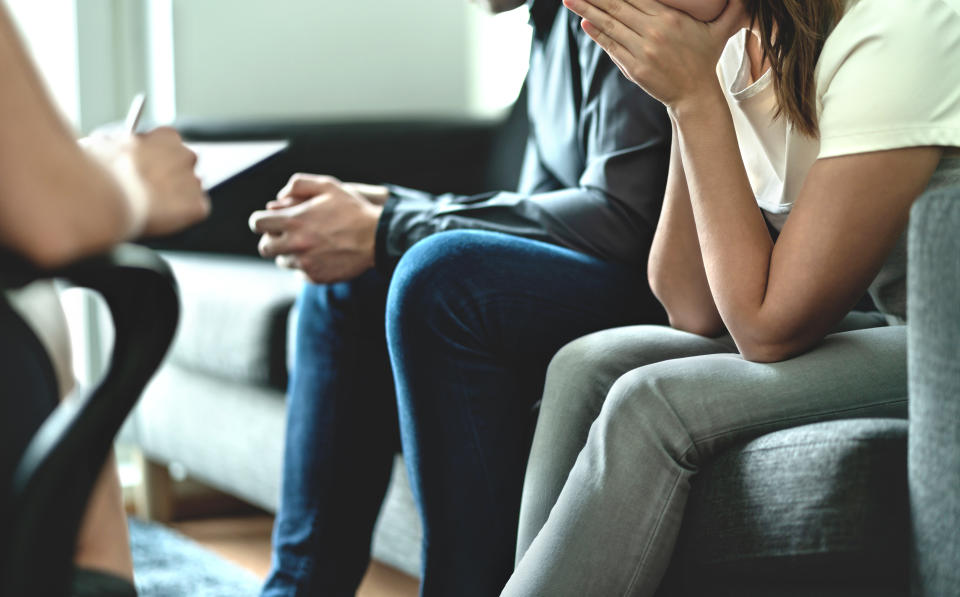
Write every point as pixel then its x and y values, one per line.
pixel 234 317
pixel 817 510
pixel 217 407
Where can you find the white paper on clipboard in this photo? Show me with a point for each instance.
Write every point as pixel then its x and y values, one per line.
pixel 219 161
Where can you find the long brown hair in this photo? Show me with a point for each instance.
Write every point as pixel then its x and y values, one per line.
pixel 792 34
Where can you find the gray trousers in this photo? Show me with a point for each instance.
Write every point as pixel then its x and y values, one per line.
pixel 630 414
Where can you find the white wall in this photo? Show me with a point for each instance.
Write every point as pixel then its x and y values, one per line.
pixel 500 50
pixel 49 29
pixel 336 59
pixel 323 59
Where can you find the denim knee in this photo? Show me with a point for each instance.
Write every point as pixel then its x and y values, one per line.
pixel 435 278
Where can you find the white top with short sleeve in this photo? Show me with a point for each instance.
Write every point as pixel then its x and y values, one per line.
pixel 888 78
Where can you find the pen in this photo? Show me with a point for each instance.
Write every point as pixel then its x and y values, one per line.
pixel 134 113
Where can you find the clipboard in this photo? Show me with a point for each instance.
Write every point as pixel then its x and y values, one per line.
pixel 220 161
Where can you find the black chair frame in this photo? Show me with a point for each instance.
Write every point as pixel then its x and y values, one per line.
pixel 56 474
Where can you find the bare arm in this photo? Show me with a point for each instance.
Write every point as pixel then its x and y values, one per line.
pixel 778 301
pixel 56 202
pixel 675 269
pixel 59 201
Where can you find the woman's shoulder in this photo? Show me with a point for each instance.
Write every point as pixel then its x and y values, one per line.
pixel 913 34
pixel 896 7
pixel 898 59
pixel 881 15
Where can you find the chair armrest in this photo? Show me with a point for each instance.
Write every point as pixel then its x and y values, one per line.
pixel 934 370
pixel 57 472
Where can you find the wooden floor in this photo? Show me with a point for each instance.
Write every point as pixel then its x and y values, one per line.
pixel 245 541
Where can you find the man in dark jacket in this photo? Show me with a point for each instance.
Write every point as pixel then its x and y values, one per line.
pixel 478 294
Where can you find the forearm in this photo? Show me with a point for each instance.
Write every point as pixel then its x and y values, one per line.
pixel 56 202
pixel 734 240
pixel 675 268
pixel 64 207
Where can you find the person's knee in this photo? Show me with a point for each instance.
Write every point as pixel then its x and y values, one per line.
pixel 572 362
pixel 576 378
pixel 586 368
pixel 641 408
pixel 436 275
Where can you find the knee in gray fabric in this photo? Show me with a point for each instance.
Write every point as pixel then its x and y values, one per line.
pixel 638 413
pixel 575 379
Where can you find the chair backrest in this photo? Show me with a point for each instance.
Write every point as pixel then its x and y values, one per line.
pixel 56 473
pixel 933 332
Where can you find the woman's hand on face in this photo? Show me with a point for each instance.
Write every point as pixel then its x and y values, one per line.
pixel 671 55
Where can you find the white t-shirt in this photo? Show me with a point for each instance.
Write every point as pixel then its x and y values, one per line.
pixel 888 78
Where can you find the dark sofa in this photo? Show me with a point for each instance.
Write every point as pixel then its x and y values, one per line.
pixel 820 510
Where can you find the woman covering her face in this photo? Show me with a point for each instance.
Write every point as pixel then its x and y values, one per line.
pixel 803 132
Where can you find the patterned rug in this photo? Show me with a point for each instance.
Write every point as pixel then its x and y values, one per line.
pixel 167 564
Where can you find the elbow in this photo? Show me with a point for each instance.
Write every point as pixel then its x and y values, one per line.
pixel 765 353
pixel 43 241
pixel 684 314
pixel 63 204
pixel 48 255
pixel 699 323
pixel 55 246
pixel 657 275
pixel 775 336
pixel 771 348
pixel 51 241
pixel 701 319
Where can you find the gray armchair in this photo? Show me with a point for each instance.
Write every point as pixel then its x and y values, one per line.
pixel 934 365
pixel 860 507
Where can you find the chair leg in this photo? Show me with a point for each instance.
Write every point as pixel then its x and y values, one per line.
pixel 154 497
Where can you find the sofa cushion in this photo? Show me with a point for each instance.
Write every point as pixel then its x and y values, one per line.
pixel 234 317
pixel 226 434
pixel 823 503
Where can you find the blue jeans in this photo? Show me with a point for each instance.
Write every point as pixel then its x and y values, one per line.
pixel 472 320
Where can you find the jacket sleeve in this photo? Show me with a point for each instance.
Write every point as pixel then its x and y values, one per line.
pixel 606 206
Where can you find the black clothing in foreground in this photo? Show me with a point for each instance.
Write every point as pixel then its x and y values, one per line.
pixel 29 391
